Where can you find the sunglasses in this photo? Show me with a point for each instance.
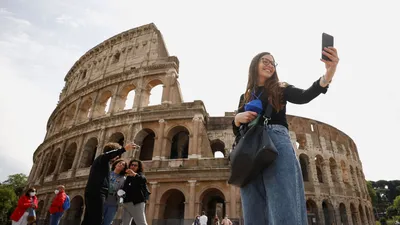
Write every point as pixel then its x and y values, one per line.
pixel 134 165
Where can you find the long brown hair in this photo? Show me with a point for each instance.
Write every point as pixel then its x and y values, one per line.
pixel 272 84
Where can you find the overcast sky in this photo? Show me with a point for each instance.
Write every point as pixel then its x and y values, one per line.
pixel 215 42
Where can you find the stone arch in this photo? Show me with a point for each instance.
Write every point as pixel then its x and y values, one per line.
pixel 361 212
pixel 117 137
pixel 150 89
pixel 103 103
pixel 312 212
pixel 334 171
pixel 343 214
pixel 74 213
pixel 305 166
pixel 345 174
pixel 69 116
pixel 217 146
pixel 175 212
pixel 178 137
pixel 53 161
pixel 319 166
pixel 146 139
pixel 329 212
pixel 213 203
pixel 89 153
pixel 68 158
pixel 85 109
pixel 126 93
pixel 354 213
pixel 116 57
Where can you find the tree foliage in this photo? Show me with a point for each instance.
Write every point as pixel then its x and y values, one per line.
pixel 10 191
pixel 372 193
pixel 17 182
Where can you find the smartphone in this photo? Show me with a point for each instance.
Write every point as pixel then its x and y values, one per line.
pixel 327 41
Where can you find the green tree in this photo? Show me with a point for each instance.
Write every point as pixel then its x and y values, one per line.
pixel 17 182
pixel 396 203
pixel 372 193
pixel 8 201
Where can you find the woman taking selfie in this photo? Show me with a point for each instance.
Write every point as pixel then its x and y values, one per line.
pixel 276 195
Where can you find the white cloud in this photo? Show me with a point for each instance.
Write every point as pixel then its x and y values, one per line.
pixel 68 20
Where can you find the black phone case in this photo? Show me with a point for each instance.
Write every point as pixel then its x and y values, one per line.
pixel 327 41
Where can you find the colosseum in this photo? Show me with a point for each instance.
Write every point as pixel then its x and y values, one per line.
pixel 184 150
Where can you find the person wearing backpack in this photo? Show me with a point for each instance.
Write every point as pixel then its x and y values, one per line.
pixel 56 208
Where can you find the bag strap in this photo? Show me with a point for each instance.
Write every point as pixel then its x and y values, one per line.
pixel 267 113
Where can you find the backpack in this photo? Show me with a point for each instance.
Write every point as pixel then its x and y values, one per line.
pixel 67 204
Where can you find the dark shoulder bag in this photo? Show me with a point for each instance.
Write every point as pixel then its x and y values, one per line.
pixel 253 152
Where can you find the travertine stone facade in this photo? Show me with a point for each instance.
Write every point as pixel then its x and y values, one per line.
pixel 178 140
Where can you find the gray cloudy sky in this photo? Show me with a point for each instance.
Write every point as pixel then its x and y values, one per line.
pixel 215 42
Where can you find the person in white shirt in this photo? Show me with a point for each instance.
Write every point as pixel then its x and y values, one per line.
pixel 203 218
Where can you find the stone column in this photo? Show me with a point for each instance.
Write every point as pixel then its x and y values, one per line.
pixel 194 150
pixel 114 101
pixel 101 137
pixel 78 106
pixel 137 102
pixel 166 96
pixel 78 156
pixel 159 148
pixel 152 204
pixel 233 202
pixel 59 160
pixel 192 194
pixel 327 173
pixel 93 107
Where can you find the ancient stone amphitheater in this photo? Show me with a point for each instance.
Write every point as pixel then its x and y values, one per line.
pixel 179 141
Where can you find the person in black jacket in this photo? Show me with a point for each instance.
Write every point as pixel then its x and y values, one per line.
pixel 135 196
pixel 98 182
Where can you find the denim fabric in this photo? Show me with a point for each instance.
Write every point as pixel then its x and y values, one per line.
pixel 276 196
pixel 55 218
pixel 109 213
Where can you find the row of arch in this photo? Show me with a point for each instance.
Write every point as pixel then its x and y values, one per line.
pixel 338 173
pixel 213 202
pixel 106 101
pixel 171 206
pixel 179 148
pixel 341 215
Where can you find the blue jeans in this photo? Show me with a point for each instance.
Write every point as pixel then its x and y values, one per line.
pixel 109 213
pixel 276 196
pixel 55 218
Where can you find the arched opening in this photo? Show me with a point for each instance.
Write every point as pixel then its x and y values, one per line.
pixel 74 213
pixel 103 104
pixel 218 148
pixel 53 161
pixel 343 214
pixel 39 210
pixel 362 215
pixel 117 137
pixel 153 93
pixel 145 138
pixel 312 212
pixel 348 155
pixel 301 140
pixel 85 109
pixel 353 213
pixel 319 164
pixel 89 152
pixel 172 207
pixel 68 158
pixel 125 98
pixel 360 181
pixel 69 117
pixel 116 57
pixel 304 164
pixel 334 171
pixel 180 142
pixel 213 204
pixel 329 212
pixel 42 167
